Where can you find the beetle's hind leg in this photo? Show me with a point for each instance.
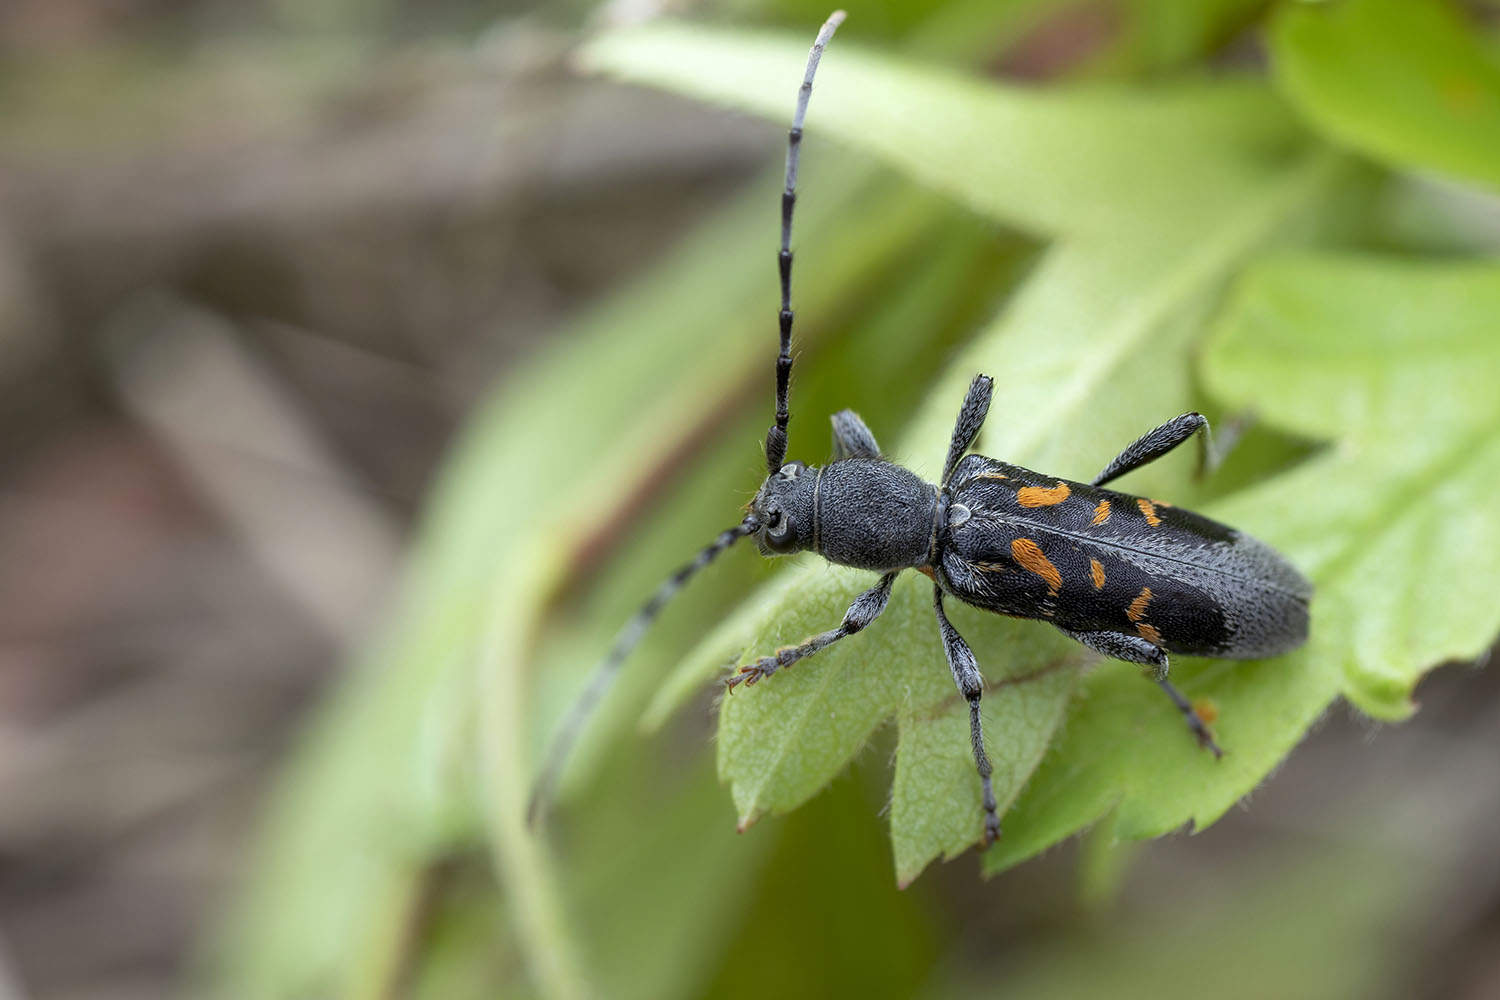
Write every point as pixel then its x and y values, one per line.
pixel 1155 443
pixel 865 609
pixel 1134 649
pixel 1195 722
pixel 971 685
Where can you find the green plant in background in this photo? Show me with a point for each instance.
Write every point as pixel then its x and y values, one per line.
pixel 1115 253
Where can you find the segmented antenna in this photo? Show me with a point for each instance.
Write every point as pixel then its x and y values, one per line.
pixel 604 674
pixel 776 436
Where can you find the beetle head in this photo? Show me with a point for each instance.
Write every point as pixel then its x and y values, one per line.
pixel 784 508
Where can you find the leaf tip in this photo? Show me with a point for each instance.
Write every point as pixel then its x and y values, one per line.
pixel 1382 696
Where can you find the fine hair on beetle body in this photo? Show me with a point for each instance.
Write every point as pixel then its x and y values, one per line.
pixel 1132 578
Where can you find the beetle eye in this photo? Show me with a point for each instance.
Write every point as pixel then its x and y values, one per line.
pixel 779 534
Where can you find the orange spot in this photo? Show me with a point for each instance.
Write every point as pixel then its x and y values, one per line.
pixel 927 571
pixel 1149 510
pixel 1030 558
pixel 1038 496
pixel 1137 609
pixel 1101 512
pixel 1207 710
pixel 1096 570
pixel 1159 503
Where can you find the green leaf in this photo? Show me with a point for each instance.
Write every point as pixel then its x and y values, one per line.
pixel 1096 341
pixel 1405 82
pixel 1393 522
pixel 781 742
pixel 1052 163
pixel 1401 377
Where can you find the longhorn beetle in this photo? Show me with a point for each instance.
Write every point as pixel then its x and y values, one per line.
pixel 1131 578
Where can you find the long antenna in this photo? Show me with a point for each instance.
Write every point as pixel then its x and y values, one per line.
pixel 604 674
pixel 631 634
pixel 776 436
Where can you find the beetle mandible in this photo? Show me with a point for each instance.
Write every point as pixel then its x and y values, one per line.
pixel 1132 578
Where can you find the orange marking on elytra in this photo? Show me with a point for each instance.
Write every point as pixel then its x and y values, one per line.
pixel 1149 510
pixel 1101 512
pixel 1042 496
pixel 1096 570
pixel 1137 609
pixel 1030 558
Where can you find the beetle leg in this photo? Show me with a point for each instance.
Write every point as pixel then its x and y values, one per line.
pixel 970 418
pixel 1123 646
pixel 1195 722
pixel 1134 649
pixel 1154 444
pixel 851 438
pixel 971 685
pixel 865 609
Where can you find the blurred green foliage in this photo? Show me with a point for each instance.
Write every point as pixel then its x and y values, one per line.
pixel 1079 241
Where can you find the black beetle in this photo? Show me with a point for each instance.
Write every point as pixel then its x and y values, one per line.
pixel 1132 578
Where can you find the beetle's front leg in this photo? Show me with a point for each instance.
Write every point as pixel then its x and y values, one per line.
pixel 851 438
pixel 865 609
pixel 1134 649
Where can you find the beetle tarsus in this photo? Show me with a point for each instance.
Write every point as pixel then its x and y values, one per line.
pixel 1195 722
